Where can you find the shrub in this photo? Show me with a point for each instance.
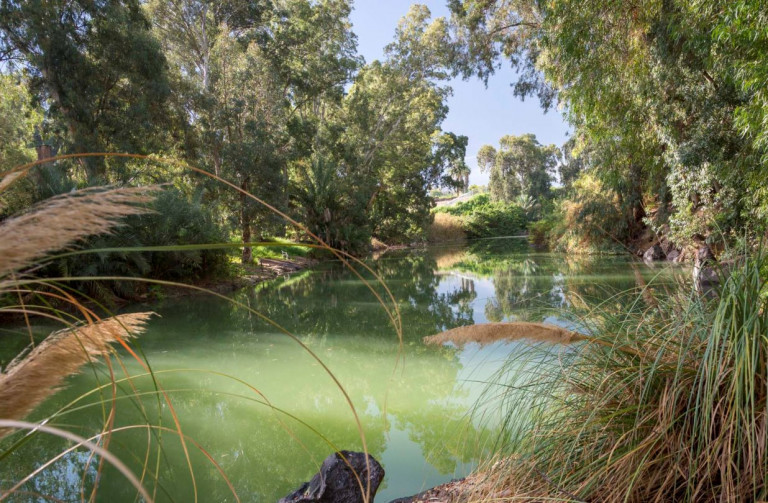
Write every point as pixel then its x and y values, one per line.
pixel 496 219
pixel 176 221
pixel 482 218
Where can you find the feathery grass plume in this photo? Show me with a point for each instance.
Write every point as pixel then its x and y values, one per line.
pixel 487 333
pixel 29 381
pixel 670 404
pixel 9 179
pixel 62 220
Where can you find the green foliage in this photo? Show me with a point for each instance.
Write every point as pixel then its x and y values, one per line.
pixel 175 222
pixel 18 118
pixel 98 70
pixel 582 221
pixel 484 218
pixel 521 166
pixel 328 210
pixel 659 98
pixel 467 207
pixel 496 220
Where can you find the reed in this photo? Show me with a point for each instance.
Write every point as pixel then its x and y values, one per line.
pixel 61 221
pixel 446 227
pixel 58 224
pixel 488 333
pixel 661 403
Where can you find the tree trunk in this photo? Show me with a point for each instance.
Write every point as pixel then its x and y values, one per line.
pixel 245 223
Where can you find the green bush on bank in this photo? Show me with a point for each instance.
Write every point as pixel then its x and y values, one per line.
pixel 482 218
pixel 175 221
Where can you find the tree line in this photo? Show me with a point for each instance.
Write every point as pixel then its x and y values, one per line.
pixel 271 96
pixel 666 99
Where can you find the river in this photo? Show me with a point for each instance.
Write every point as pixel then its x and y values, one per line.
pixel 267 412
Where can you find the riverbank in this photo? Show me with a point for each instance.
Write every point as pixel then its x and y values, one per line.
pixel 264 269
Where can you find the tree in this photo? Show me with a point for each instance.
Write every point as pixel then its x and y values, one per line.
pixel 449 153
pixel 572 163
pixel 393 148
pixel 486 158
pixel 259 80
pixel 521 166
pixel 97 67
pixel 651 89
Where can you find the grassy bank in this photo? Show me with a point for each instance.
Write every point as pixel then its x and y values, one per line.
pixel 666 401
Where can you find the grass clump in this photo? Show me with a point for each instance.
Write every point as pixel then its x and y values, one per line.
pixel 662 403
pixel 446 227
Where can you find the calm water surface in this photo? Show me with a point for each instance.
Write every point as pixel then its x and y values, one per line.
pixel 268 413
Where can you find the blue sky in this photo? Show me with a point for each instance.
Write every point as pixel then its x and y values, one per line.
pixel 484 115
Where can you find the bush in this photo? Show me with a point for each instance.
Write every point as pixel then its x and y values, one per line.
pixel 482 218
pixel 496 219
pixel 177 221
pixel 587 220
pixel 446 227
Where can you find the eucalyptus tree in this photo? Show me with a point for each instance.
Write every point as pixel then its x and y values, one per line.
pixel 396 149
pixel 255 78
pixel 521 166
pixel 655 90
pixel 96 67
pixel 449 156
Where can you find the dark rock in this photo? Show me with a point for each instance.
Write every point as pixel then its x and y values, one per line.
pixel 705 271
pixel 666 246
pixel 673 255
pixel 653 253
pixel 336 482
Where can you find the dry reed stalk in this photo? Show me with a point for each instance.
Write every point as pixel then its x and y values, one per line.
pixel 62 220
pixel 9 179
pixel 446 227
pixel 487 333
pixel 29 381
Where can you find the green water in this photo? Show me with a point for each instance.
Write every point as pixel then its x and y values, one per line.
pixel 413 401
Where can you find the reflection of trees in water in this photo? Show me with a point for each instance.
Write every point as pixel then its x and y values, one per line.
pixel 339 319
pixel 326 301
pixel 532 287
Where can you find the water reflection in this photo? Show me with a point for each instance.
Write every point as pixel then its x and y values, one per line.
pixel 412 400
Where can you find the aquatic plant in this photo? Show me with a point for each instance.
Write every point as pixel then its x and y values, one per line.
pixel 667 402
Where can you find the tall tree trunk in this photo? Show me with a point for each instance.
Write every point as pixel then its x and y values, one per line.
pixel 245 223
pixel 637 208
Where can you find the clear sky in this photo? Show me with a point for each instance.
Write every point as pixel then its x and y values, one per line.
pixel 483 115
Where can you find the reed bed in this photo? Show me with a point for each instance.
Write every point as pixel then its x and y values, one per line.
pixel 667 402
pixel 445 228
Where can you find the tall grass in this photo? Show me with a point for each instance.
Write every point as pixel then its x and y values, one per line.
pixel 61 223
pixel 664 402
pixel 446 227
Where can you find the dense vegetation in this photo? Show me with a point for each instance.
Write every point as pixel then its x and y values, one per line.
pixel 664 397
pixel 667 101
pixel 271 97
pixel 479 217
